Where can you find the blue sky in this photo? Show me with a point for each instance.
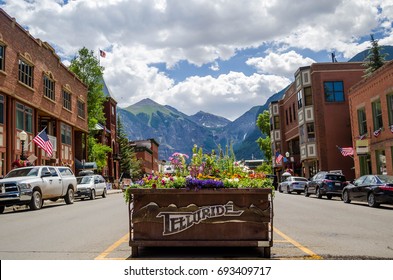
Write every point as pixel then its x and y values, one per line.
pixel 221 57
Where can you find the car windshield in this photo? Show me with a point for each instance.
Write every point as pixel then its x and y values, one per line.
pixel 334 177
pixel 84 179
pixel 386 179
pixel 300 179
pixel 29 172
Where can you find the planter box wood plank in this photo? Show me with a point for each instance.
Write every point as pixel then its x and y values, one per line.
pixel 208 217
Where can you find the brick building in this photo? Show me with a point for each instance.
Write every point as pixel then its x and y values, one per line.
pixel 312 119
pixel 147 152
pixel 112 170
pixel 37 91
pixel 371 112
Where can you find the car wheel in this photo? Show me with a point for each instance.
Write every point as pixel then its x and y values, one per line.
pixel 318 193
pixel 306 194
pixel 69 197
pixel 345 197
pixel 288 191
pixel 92 194
pixel 36 201
pixel 371 200
pixel 329 196
pixel 279 189
pixel 104 193
pixel 2 208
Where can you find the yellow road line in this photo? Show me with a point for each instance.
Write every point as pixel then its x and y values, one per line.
pixel 298 245
pixel 312 255
pixel 111 248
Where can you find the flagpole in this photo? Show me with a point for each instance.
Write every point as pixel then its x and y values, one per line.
pixel 37 134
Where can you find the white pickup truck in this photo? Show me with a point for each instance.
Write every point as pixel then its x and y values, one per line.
pixel 32 185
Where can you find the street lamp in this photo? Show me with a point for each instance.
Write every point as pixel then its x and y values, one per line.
pixel 23 138
pixel 287 156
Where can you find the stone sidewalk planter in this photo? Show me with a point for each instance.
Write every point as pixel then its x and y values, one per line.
pixel 207 217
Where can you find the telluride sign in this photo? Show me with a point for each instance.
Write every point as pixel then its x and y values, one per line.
pixel 207 217
pixel 175 222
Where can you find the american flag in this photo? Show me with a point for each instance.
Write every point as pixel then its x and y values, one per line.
pixel 42 140
pixel 377 132
pixel 102 53
pixel 278 158
pixel 346 151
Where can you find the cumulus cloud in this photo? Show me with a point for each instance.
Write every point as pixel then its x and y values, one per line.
pixel 138 34
pixel 280 64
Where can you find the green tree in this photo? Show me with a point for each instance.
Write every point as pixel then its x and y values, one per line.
pixel 375 59
pixel 129 164
pixel 86 66
pixel 263 123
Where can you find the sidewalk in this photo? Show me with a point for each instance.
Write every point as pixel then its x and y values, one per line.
pixel 112 191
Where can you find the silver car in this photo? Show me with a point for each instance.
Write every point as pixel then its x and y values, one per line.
pixel 293 184
pixel 90 186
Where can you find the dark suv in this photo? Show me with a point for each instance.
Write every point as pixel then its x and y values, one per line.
pixel 326 183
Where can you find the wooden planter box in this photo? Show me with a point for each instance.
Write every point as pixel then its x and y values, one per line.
pixel 209 217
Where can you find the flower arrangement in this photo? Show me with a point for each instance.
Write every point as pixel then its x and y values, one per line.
pixel 20 163
pixel 206 171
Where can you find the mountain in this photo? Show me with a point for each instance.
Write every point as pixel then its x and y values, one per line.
pixel 209 120
pixel 388 50
pixel 170 128
pixel 178 132
pixel 247 148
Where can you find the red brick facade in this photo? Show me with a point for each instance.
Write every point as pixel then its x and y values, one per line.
pixel 309 123
pixel 147 152
pixel 373 96
pixel 25 106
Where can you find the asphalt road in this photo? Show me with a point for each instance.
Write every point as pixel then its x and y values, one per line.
pixel 304 228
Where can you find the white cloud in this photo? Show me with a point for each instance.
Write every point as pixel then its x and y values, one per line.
pixel 280 64
pixel 137 33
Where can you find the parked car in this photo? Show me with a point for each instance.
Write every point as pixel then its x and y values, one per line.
pixel 90 186
pixel 327 184
pixel 374 189
pixel 293 184
pixel 34 184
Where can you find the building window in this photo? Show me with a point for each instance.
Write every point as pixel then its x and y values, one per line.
pixel 334 91
pixel 49 88
pixel 377 114
pixel 290 114
pixel 24 118
pixel 307 96
pixel 1 109
pixel 299 99
pixel 286 116
pixel 362 121
pixel 390 108
pixel 276 122
pixel 26 73
pixel 66 134
pixel 66 100
pixel 310 131
pixel 381 161
pixel 81 109
pixel 2 57
pixel 294 111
